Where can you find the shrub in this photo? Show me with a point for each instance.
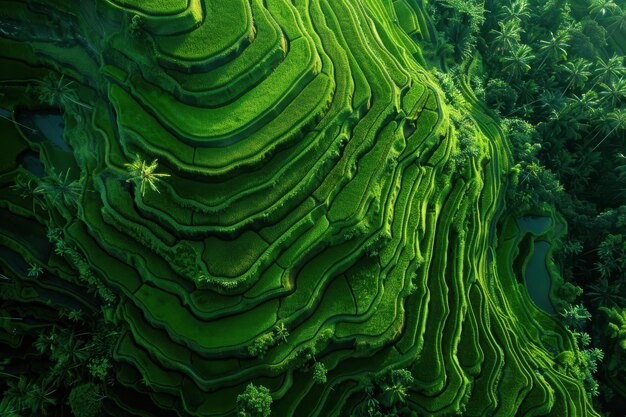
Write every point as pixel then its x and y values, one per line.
pixel 99 368
pixel 261 344
pixel 319 373
pixel 255 401
pixel 85 400
pixel 500 95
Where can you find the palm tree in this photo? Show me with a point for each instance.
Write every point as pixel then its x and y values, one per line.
pixel 601 8
pixel 373 406
pixel 610 69
pixel 620 169
pixel 34 270
pixel 141 174
pixel 614 91
pixel 578 73
pixel 550 101
pixel 44 342
pixel 30 395
pixel 75 315
pixel 69 348
pixel 605 268
pixel 27 188
pixel 565 121
pixel 280 332
pixel 57 92
pixel 526 92
pixel 576 315
pixel 586 103
pixel 583 338
pixel 67 351
pixel 441 48
pixel 618 22
pixel 58 188
pixel 462 39
pixel 518 62
pixel 398 390
pixel 616 120
pixel 553 48
pixel 16 394
pixel 581 169
pixel 507 36
pixel 605 294
pixel 518 10
pixel 38 398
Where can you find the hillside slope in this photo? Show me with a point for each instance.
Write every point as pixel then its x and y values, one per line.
pixel 323 203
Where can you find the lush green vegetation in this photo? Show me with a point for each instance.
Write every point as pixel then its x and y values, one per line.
pixel 554 72
pixel 312 208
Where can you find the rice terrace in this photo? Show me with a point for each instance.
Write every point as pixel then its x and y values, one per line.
pixel 368 208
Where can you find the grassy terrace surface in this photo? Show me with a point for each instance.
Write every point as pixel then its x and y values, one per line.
pixel 310 186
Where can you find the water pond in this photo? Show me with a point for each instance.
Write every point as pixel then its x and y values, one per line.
pixel 536 275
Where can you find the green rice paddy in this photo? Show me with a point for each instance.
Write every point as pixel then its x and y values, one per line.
pixel 310 186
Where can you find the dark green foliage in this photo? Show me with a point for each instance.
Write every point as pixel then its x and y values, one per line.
pixel 59 93
pixel 319 373
pixel 605 294
pixel 79 263
pixel 388 394
pixel 448 86
pixel 467 143
pixel 565 359
pixel 99 368
pixel 184 258
pixel 586 39
pixel 460 21
pixel 395 387
pixel 136 26
pixel 576 316
pixel 616 332
pixel 59 190
pixel 29 396
pixel 86 400
pixel 517 62
pixel 568 292
pixel 566 149
pixel 261 344
pixel 500 95
pixel 328 198
pixel 255 401
pixel 67 352
pixel 589 366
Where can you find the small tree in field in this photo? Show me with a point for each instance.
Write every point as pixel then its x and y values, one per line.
pixel 396 390
pixel 319 373
pixel 142 174
pixel 255 401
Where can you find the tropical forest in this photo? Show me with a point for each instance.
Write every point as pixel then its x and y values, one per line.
pixel 312 208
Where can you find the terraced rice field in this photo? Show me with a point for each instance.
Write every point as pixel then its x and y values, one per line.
pixel 310 186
